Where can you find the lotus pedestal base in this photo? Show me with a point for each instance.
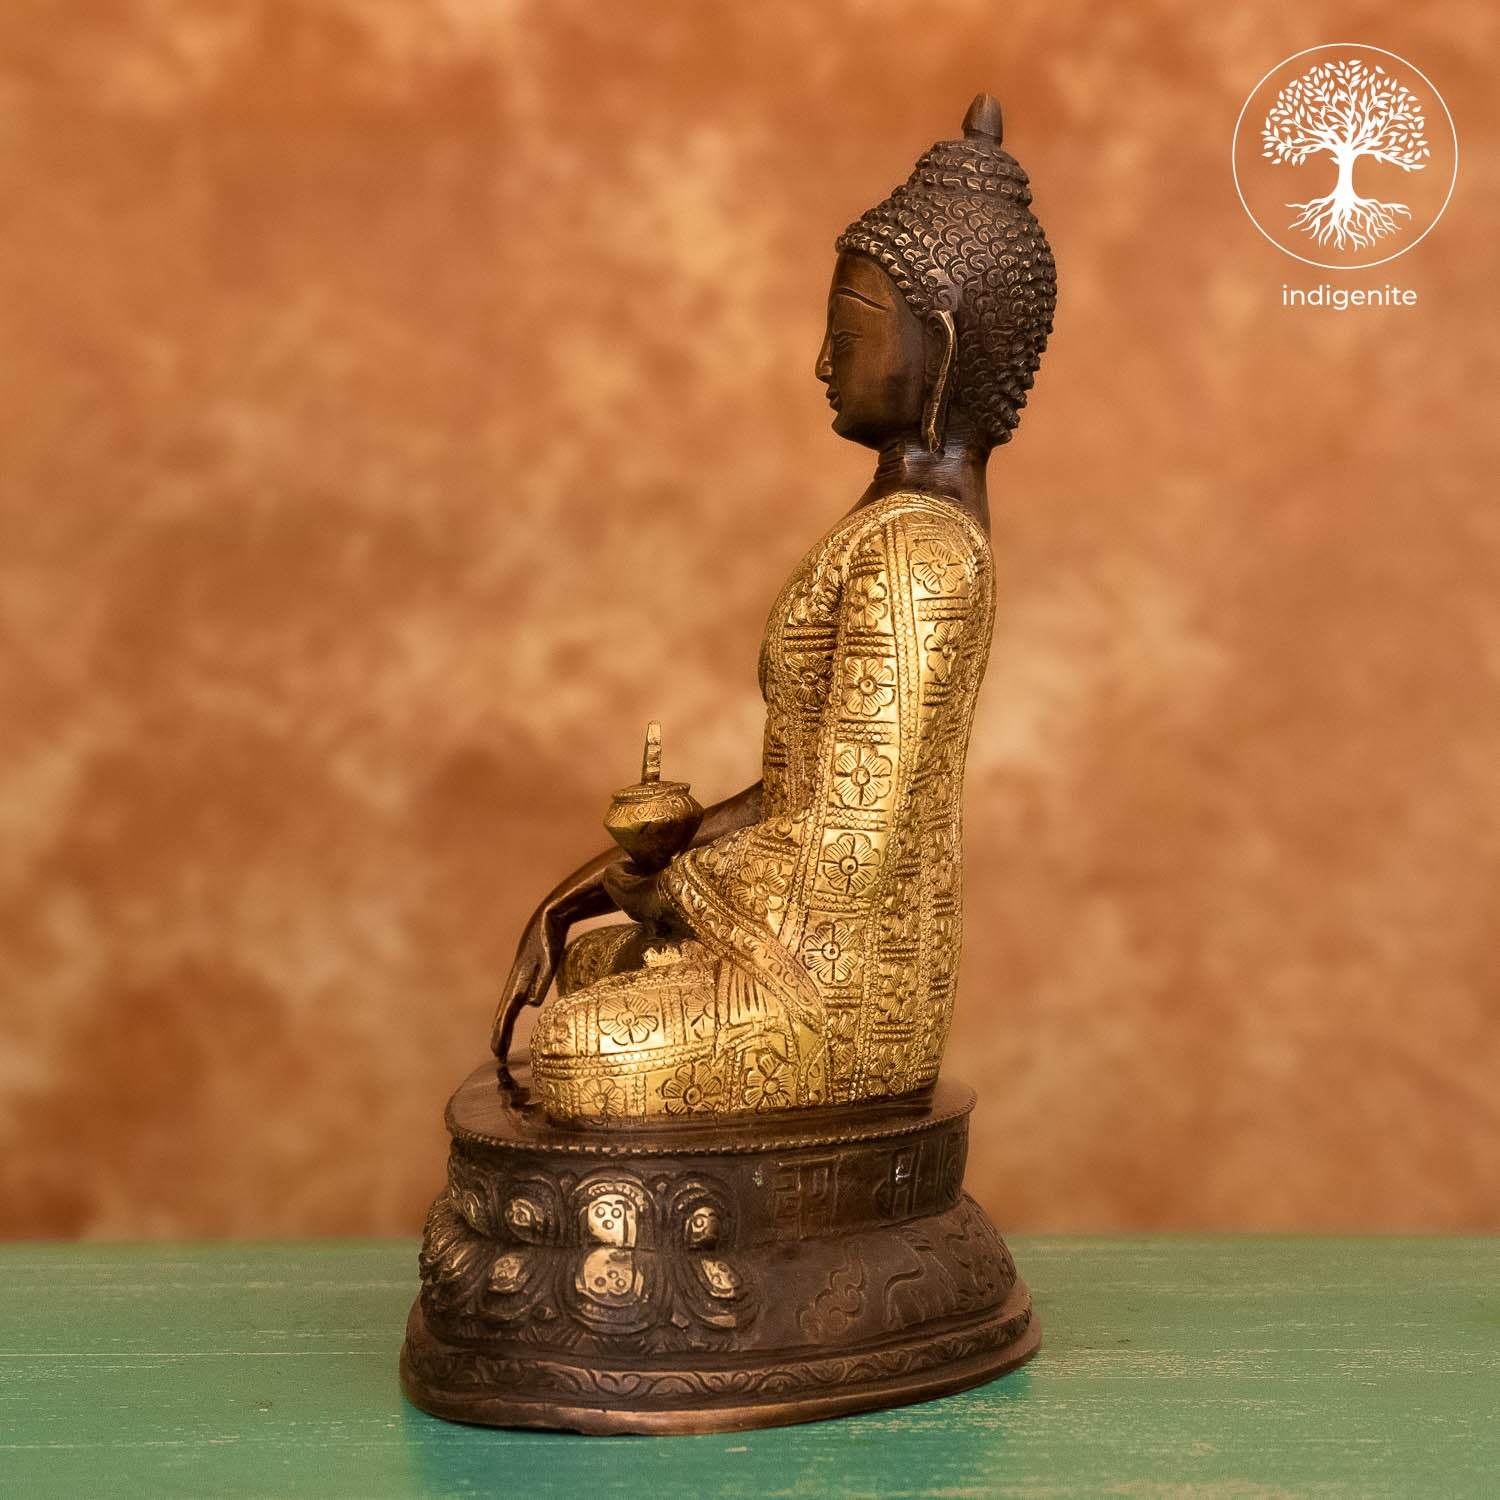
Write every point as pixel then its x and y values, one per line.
pixel 707 1276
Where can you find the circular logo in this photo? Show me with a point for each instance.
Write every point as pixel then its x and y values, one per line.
pixel 1344 156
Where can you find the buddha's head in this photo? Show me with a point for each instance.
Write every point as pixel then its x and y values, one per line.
pixel 942 299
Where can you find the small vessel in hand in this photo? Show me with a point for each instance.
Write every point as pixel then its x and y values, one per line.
pixel 653 819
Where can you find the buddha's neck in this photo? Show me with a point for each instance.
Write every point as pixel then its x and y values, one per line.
pixel 956 472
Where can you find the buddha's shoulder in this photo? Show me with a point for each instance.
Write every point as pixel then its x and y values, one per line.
pixel 921 517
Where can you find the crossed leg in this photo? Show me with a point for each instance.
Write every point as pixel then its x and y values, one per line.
pixel 667 1030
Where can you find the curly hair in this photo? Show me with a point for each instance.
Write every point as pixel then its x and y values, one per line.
pixel 959 236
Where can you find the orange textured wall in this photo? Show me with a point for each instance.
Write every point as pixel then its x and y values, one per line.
pixel 401 400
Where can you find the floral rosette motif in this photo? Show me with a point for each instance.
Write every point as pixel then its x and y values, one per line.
pixel 941 645
pixel 865 602
pixel 848 865
pixel 869 685
pixel 936 569
pixel 693 1089
pixel 768 1081
pixel 829 953
pixel 861 775
pixel 627 1019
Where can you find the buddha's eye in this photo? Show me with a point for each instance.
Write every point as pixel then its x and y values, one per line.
pixel 844 337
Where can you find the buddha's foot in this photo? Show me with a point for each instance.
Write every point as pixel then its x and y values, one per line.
pixel 684 1035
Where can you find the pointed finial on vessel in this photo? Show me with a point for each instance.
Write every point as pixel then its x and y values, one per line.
pixel 651 761
pixel 984 118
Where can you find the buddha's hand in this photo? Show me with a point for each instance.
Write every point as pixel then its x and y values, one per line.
pixel 537 957
pixel 639 896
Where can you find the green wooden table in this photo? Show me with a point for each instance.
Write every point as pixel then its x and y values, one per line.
pixel 1170 1366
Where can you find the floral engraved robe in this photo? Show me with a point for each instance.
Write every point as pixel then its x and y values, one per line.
pixel 826 936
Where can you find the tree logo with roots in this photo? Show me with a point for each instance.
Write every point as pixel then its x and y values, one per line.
pixel 1346 110
pixel 1375 129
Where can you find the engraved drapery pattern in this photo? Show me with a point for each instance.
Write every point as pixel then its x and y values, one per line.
pixel 872 660
pixel 827 935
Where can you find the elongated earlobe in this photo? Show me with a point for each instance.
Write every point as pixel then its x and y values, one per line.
pixel 935 408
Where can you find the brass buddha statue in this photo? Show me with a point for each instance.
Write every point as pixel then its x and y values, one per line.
pixel 802 949
pixel 731 1194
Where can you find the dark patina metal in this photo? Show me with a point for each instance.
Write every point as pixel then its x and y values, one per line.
pixel 675 1279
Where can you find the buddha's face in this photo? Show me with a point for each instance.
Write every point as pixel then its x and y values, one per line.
pixel 872 359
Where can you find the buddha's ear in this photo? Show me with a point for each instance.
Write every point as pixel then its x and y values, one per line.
pixel 941 348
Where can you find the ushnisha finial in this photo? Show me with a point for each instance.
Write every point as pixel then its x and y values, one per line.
pixel 984 118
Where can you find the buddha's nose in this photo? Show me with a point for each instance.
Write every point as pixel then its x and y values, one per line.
pixel 824 367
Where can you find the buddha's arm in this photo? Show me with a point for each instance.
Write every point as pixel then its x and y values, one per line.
pixel 738 811
pixel 601 886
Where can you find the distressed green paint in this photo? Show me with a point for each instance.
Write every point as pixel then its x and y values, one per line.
pixel 1221 1367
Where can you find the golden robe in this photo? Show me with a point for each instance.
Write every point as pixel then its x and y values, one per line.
pixel 825 937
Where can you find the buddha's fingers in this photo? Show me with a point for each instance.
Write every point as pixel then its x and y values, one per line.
pixel 518 994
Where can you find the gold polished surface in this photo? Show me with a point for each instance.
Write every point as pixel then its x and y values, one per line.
pixel 827 935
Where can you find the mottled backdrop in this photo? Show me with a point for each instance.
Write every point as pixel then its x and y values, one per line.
pixel 401 400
